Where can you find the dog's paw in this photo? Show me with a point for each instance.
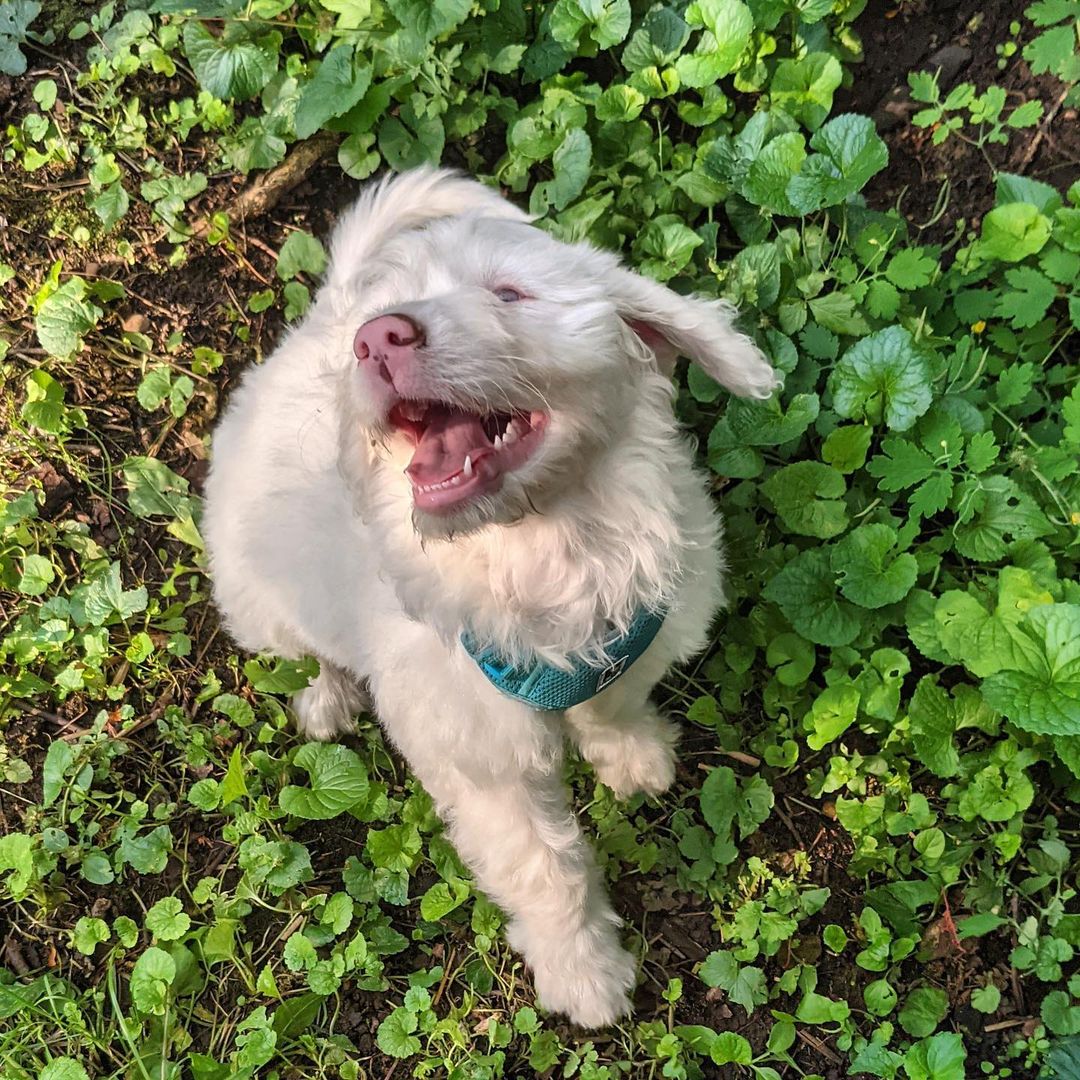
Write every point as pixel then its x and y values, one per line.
pixel 592 987
pixel 640 760
pixel 328 707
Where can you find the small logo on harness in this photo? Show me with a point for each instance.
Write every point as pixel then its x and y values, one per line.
pixel 611 673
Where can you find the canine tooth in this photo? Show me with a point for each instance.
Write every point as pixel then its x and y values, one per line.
pixel 467 469
pixel 498 443
pixel 510 435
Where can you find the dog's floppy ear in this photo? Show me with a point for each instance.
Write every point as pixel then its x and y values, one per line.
pixel 398 203
pixel 702 330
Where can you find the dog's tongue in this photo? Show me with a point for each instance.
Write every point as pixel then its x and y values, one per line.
pixel 450 435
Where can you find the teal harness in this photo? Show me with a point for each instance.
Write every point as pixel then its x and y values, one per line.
pixel 550 688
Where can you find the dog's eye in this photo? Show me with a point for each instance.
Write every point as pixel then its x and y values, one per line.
pixel 508 295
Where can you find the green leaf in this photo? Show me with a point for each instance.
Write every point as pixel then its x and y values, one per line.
pixel 911 268
pixel 771 171
pixel 729 1048
pixel 110 204
pixel 817 1009
pixel 1041 692
pixel 883 377
pixel 338 781
pixel 808 496
pixel 149 853
pixel 791 657
pixel 986 999
pixel 923 1010
pixel 299 954
pixel 205 794
pixel 804 87
pixel 1013 232
pixel 166 920
pixel 870 572
pixel 44 407
pixel 234 786
pixel 63 1068
pixel 15 19
pixel 744 986
pixel 236 64
pixel 394 848
pixel 64 317
pixel 880 997
pixel 442 898
pixel 942 1057
pixel 805 590
pixel 850 152
pixel 1028 299
pixel 36 576
pixel 1059 1014
pixel 934 717
pixel 236 708
pixel 657 41
pixel 730 23
pixel 154 387
pixel 766 423
pixel 718 799
pixel 901 464
pixel 833 712
pixel 106 597
pixel 340 82
pixel 155 490
pixel 151 978
pixel 845 447
pixel 667 245
pixel 995 511
pixel 395 1034
pixel 572 162
pixel 88 934
pixel 356 156
pixel 285 677
pixel 301 253
pixel 430 19
pixel 1054 52
pixel 1009 187
pixel 620 103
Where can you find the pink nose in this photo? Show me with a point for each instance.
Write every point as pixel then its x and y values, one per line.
pixel 389 343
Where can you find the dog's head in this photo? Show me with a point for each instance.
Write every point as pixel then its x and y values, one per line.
pixel 496 365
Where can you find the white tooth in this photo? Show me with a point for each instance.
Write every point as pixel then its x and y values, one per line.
pixel 455 480
pixel 467 469
pixel 511 434
pixel 498 442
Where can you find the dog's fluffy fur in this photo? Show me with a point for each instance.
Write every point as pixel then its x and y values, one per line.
pixel 317 547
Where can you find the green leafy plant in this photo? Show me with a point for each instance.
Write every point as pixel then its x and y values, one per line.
pixel 883 744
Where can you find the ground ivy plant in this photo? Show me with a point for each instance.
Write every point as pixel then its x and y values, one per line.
pixel 868 865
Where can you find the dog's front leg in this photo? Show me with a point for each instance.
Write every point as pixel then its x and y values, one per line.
pixel 624 737
pixel 518 834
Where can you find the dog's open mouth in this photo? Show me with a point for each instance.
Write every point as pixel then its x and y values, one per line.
pixel 460 454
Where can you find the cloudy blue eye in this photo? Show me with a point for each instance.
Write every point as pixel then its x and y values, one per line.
pixel 508 295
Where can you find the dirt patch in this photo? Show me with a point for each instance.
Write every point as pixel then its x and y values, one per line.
pixel 943 189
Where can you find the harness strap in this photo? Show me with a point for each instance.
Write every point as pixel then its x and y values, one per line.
pixel 551 689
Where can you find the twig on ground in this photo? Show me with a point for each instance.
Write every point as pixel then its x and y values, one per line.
pixel 1032 147
pixel 1004 1025
pixel 267 190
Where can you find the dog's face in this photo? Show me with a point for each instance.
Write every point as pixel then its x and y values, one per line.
pixel 495 365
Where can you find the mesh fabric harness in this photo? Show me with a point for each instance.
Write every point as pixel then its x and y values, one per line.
pixel 550 688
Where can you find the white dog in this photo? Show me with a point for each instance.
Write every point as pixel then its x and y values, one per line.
pixel 461 480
